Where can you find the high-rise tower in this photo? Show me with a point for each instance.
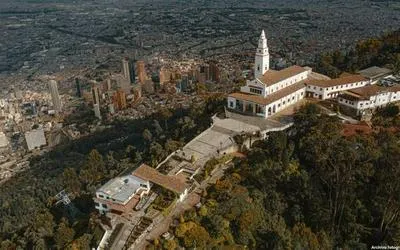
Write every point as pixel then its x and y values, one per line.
pixel 55 97
pixel 128 69
pixel 141 72
pixel 96 101
pixel 262 57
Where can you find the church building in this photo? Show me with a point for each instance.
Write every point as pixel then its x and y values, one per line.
pixel 272 91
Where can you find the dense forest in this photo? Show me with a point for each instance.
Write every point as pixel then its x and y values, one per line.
pixel 30 218
pixel 311 188
pixel 382 51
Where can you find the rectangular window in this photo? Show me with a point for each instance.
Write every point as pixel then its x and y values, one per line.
pixel 96 204
pixel 231 104
pixel 256 91
pixel 320 89
pixel 104 205
pixel 101 196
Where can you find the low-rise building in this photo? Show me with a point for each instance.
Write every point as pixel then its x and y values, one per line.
pixel 35 139
pixel 121 194
pixel 327 89
pixel 374 73
pixel 369 97
pixel 170 182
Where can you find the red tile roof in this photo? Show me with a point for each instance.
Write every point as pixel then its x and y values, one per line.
pixel 172 183
pixel 271 77
pixel 337 81
pixel 370 90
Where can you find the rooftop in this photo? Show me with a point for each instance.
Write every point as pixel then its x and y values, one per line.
pixel 3 140
pixel 370 90
pixel 271 76
pixel 122 188
pixel 344 79
pixel 172 183
pixel 374 72
pixel 35 138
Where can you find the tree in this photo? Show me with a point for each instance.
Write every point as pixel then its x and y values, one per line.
pixel 82 242
pixel 217 225
pixel 43 224
pixel 387 190
pixel 147 136
pixel 7 245
pixel 170 245
pixel 64 235
pixel 165 115
pixel 71 181
pixel 304 238
pixel 171 145
pixel 93 169
pixel 157 152
pixel 192 235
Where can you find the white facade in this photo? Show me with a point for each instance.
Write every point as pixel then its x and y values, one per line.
pixel 379 99
pixel 119 191
pixel 262 57
pixel 267 109
pixel 287 82
pixel 319 91
pixel 268 93
pixel 271 91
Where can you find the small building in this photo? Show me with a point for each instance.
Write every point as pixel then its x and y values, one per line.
pixel 121 194
pixel 170 182
pixel 374 73
pixel 4 143
pixel 369 98
pixel 35 139
pixel 328 89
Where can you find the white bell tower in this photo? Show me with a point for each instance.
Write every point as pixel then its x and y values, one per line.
pixel 262 57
